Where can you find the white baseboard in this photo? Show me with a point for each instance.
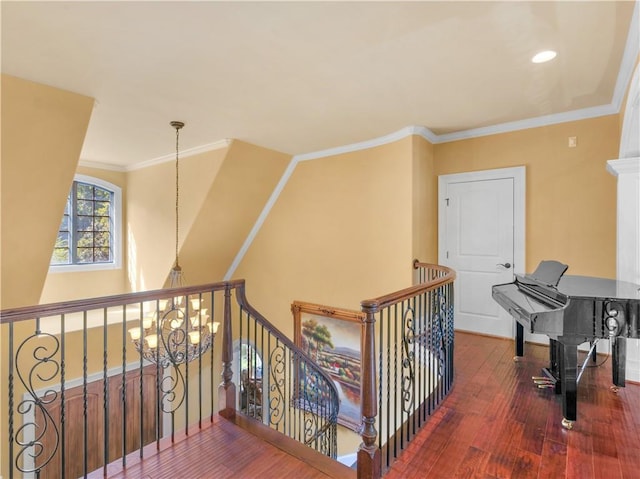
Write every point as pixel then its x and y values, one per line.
pixel 633 370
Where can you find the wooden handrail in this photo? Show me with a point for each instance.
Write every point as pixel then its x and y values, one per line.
pixel 380 302
pixel 65 307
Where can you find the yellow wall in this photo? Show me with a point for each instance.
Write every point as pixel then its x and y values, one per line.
pixel 150 226
pixel 425 202
pixel 43 129
pixel 570 199
pixel 340 232
pixel 222 192
pixel 236 198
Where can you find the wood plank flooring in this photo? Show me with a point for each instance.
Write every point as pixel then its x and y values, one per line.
pixel 224 450
pixel 495 423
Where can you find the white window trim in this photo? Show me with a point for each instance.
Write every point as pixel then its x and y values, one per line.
pixel 117 232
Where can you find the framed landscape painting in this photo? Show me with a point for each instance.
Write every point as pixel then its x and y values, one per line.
pixel 332 337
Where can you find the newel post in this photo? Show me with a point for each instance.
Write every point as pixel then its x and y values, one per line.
pixel 227 389
pixel 369 459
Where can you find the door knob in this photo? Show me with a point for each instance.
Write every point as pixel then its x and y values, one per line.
pixel 504 265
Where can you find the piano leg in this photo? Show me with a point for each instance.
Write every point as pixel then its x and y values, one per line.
pixel 519 342
pixel 568 367
pixel 553 358
pixel 619 353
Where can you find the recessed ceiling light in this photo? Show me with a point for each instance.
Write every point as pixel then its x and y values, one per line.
pixel 544 56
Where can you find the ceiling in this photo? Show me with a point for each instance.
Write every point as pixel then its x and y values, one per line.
pixel 301 77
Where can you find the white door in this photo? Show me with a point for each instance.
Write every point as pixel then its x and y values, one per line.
pixel 481 232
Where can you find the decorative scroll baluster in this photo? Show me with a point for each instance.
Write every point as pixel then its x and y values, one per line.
pixel 408 360
pixel 36 418
pixel 277 398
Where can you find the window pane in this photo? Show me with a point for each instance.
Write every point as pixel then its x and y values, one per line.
pixel 102 224
pixel 85 240
pixel 60 256
pixel 102 194
pixel 85 223
pixel 84 207
pixel 65 224
pixel 85 255
pixel 101 239
pixel 84 191
pixel 62 241
pixel 102 255
pixel 102 208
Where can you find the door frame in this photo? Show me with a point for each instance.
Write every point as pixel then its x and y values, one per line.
pixel 518 174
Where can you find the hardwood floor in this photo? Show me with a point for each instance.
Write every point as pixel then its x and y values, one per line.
pixel 224 450
pixel 495 423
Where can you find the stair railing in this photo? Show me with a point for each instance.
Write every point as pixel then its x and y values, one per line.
pixel 290 393
pixel 81 395
pixel 409 371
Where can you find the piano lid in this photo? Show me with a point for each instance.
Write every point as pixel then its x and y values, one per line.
pixel 549 281
pixel 589 287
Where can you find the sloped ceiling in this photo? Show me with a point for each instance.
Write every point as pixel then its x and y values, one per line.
pixel 300 77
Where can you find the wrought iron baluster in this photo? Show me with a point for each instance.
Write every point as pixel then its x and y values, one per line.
pixel 85 418
pixel 123 394
pixel 159 373
pixel 211 385
pixel 186 362
pixel 63 405
pixel 11 392
pixel 141 386
pixel 105 390
pixel 38 350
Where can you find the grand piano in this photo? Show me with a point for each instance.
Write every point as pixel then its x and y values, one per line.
pixel 571 310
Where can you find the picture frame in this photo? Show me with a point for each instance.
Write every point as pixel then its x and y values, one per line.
pixel 333 338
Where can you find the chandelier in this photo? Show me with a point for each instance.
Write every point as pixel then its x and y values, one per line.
pixel 179 330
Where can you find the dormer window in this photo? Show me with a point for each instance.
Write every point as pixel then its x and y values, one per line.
pixel 89 237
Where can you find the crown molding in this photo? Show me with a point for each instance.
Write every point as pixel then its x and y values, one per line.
pixel 102 166
pixel 363 145
pixel 216 145
pixel 536 122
